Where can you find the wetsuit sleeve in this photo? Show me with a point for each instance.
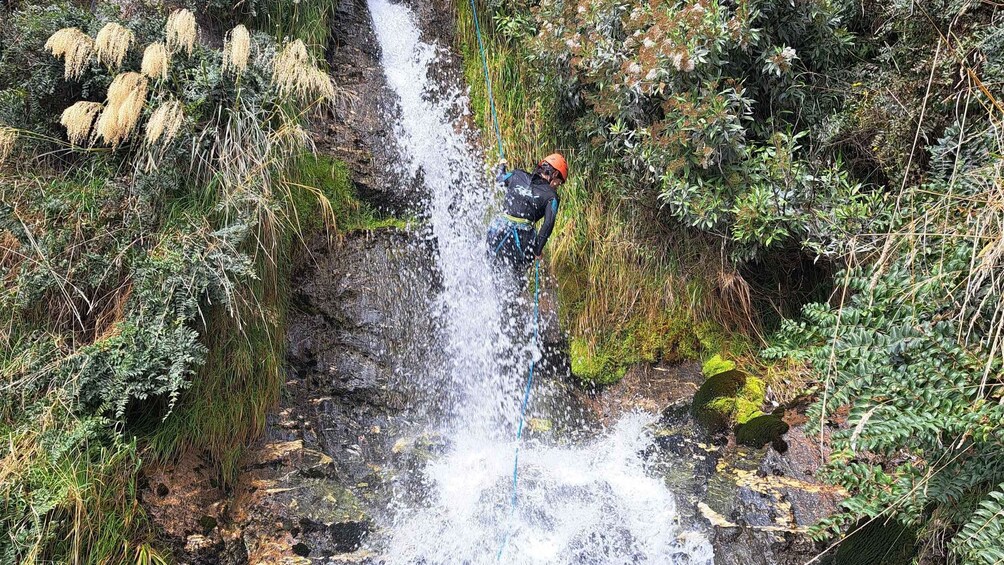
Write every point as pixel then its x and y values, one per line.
pixel 550 214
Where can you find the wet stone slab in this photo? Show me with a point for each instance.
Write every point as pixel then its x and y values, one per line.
pixel 315 487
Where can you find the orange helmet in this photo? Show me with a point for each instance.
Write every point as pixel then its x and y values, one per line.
pixel 557 161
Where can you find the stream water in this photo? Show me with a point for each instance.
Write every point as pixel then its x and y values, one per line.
pixel 589 500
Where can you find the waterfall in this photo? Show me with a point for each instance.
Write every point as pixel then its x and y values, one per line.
pixel 590 502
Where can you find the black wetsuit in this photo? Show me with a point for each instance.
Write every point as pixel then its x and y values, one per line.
pixel 512 239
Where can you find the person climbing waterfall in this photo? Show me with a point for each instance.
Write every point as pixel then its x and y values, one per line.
pixel 513 241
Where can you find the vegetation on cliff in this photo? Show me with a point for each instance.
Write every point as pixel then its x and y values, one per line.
pixel 152 189
pixel 822 177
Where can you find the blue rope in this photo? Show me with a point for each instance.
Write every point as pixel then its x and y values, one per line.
pixel 526 399
pixel 488 80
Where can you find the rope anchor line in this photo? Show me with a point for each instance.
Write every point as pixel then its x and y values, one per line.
pixel 488 79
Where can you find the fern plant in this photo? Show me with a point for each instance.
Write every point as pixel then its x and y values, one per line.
pixel 911 355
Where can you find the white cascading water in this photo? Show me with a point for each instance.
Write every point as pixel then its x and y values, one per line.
pixel 588 503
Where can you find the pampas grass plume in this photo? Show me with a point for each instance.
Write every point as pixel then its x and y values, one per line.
pixel 181 31
pixel 78 119
pixel 75 46
pixel 113 43
pixel 156 61
pixel 126 97
pixel 237 50
pixel 7 138
pixel 165 122
pixel 295 74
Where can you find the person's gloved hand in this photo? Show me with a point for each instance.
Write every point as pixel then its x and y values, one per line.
pixel 500 171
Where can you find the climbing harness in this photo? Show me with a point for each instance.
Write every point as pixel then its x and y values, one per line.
pixel 526 399
pixel 488 80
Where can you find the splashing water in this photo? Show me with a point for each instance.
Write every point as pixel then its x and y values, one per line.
pixel 588 503
pixel 456 204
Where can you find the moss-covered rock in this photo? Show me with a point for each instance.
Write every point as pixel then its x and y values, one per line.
pixel 670 337
pixel 761 430
pixel 589 365
pixel 728 397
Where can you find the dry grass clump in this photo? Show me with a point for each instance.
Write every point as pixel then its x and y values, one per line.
pixel 126 97
pixel 156 61
pixel 165 122
pixel 732 303
pixel 113 43
pixel 181 31
pixel 78 119
pixel 295 73
pixel 7 138
pixel 75 47
pixel 237 50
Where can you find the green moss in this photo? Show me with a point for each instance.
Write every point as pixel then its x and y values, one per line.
pixel 585 364
pixel 746 410
pixel 753 390
pixel 670 339
pixel 716 365
pixel 728 397
pixel 602 365
pixel 726 384
pixel 322 182
pixel 760 430
pixel 716 415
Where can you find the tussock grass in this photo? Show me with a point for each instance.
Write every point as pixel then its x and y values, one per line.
pixel 125 102
pixel 306 20
pixel 165 122
pixel 112 44
pixel 524 113
pixel 8 136
pixel 632 291
pixel 296 74
pixel 237 50
pixel 156 61
pixel 78 120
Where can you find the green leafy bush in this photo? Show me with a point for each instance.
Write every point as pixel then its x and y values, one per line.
pixel 911 352
pixel 709 106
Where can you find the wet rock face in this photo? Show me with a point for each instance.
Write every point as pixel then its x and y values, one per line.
pixel 359 128
pixel 315 486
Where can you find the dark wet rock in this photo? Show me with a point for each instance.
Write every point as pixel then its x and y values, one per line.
pixel 207 523
pixel 359 128
pixel 350 370
pixel 301 549
pixel 760 503
pixel 317 480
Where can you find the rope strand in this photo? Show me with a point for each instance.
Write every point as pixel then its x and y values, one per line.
pixel 488 80
pixel 526 399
